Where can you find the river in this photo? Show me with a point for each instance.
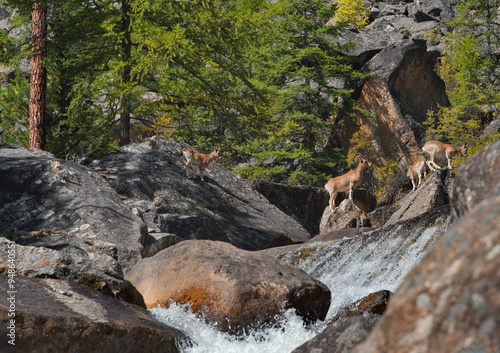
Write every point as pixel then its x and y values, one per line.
pixel 352 268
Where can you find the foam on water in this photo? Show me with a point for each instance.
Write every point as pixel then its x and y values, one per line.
pixel 289 334
pixel 352 268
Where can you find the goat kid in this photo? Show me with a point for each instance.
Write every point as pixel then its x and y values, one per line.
pixel 199 161
pixel 417 170
pixel 436 149
pixel 348 181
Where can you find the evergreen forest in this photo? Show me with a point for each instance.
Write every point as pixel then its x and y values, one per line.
pixel 267 81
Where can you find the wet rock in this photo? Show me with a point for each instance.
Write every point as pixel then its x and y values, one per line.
pixel 43 194
pixel 351 326
pixel 235 288
pixel 346 215
pixel 429 226
pixel 153 170
pixel 332 236
pixel 64 316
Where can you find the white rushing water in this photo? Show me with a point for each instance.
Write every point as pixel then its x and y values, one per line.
pixel 352 268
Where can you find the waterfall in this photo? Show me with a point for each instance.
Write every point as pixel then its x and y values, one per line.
pixel 352 268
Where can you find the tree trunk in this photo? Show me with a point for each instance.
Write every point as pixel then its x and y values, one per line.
pixel 126 75
pixel 38 76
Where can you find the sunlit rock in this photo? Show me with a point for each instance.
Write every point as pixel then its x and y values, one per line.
pixel 41 196
pixel 220 208
pixel 350 327
pixel 401 90
pixel 233 287
pixel 477 180
pixel 64 316
pixel 451 301
pixel 346 215
pixel 60 256
pixel 433 193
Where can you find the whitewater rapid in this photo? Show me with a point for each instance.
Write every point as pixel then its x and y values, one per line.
pixel 352 268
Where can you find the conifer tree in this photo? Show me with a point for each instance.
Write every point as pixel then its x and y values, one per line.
pixel 309 77
pixel 38 77
pixel 470 67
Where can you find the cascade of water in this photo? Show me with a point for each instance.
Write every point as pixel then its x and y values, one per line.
pixel 352 268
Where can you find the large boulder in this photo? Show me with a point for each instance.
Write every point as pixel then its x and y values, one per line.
pixel 40 194
pixel 346 215
pixel 400 91
pixel 60 256
pixel 233 287
pixel 64 316
pixel 431 194
pixel 350 327
pixel 220 208
pixel 476 180
pixel 304 203
pixel 451 301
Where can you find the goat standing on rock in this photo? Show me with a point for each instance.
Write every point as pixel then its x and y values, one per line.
pixel 417 170
pixel 199 161
pixel 436 149
pixel 348 181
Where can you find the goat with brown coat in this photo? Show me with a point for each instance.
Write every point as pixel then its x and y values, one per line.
pixel 436 149
pixel 417 170
pixel 348 181
pixel 199 161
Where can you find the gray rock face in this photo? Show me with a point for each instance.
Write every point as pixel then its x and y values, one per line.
pixel 346 215
pixel 221 208
pixel 40 194
pixel 451 301
pixel 233 287
pixel 303 203
pixel 60 316
pixel 350 327
pixel 477 179
pixel 401 90
pixel 62 257
pixel 399 47
pixel 433 193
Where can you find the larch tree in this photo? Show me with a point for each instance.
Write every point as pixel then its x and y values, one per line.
pixel 38 75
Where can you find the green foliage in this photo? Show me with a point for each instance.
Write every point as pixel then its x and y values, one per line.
pixel 298 62
pixel 386 180
pixel 14 111
pixel 350 12
pixel 201 69
pixel 470 67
